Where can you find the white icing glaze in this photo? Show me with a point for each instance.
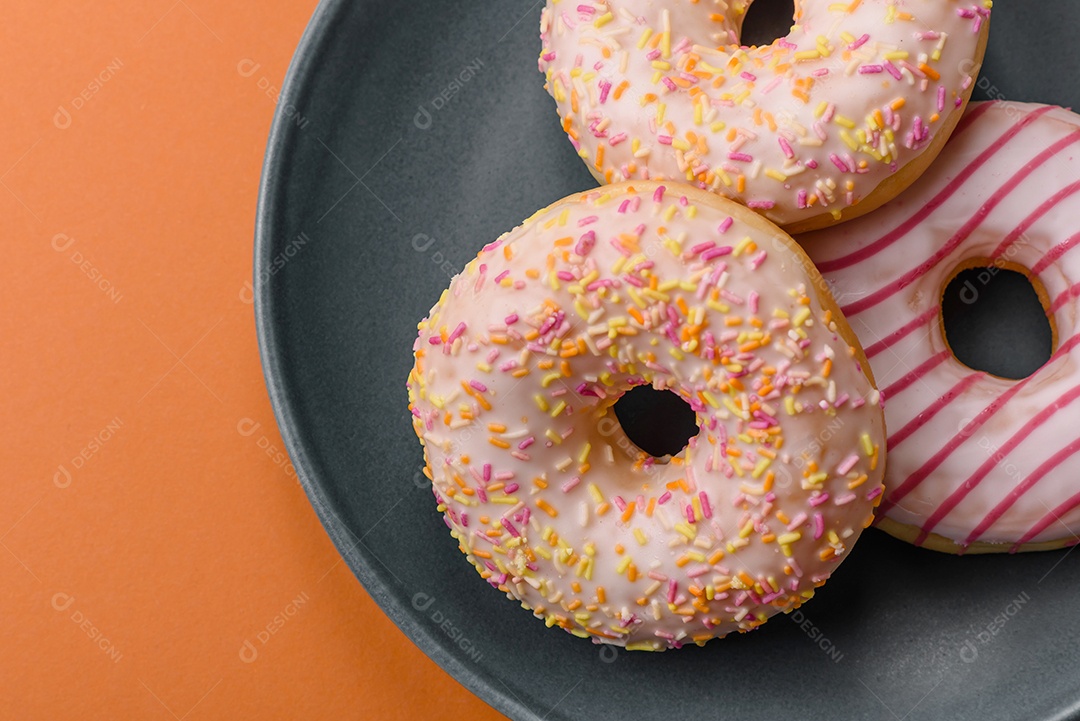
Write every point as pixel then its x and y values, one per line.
pixel 518 367
pixel 811 124
pixel 972 457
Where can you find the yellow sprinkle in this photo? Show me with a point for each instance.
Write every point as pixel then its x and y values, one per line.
pixel 594 491
pixel 548 380
pixel 844 121
pixel 644 38
pixel 559 408
pixel 603 20
pixel 867 444
pixel 787 538
pixel 760 468
pixel 775 175
pixel 686 530
pixel 553 436
pixel 742 245
pixel 801 316
pixel 584 455
pixel 623 565
pixel 540 402
pixel 640 536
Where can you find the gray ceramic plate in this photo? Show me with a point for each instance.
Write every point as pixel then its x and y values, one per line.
pixel 410 134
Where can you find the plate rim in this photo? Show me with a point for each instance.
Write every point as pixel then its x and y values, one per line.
pixel 280 146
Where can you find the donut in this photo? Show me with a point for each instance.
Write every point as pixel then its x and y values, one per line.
pixel 823 125
pixel 977 463
pixel 518 367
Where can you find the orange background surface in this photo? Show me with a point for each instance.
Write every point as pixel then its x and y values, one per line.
pixel 155 561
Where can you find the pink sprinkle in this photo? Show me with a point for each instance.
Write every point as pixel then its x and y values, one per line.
pixel 706 509
pixel 487 472
pixel 502 275
pixel 478 386
pixel 873 494
pixel 748 76
pixel 941 98
pixel 753 301
pixel 847 464
pixel 699 571
pixel 728 222
pixel 786 147
pixel 664 498
pixel 527 442
pixel 689 510
pixel 797 521
pixel 620 503
pixel 571 484
pixel 457 332
pixel 510 488
pixel 511 319
pixel 585 243
pixel 844 500
pixel 870 69
pixel 716 252
pixel 801 198
pixel 859 43
pixel 624 205
pixel 588 220
pixel 820 72
pixel 819 525
pixel 548 56
pixel 760 204
pixel 434 340
pixel 659 194
pixel 839 163
pixel 605 88
pixel 564 275
pixel 616 139
pixel 669 83
pixel 671 588
pixel 510 527
pixel 812 164
pixel 741 157
pixel 893 70
pixel 586 9
pixel 819 499
pixel 702 247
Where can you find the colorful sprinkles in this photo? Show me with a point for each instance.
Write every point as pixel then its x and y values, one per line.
pixel 512 394
pixel 800 129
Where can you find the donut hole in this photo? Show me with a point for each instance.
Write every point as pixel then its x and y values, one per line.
pixel 766 21
pixel 658 422
pixel 995 320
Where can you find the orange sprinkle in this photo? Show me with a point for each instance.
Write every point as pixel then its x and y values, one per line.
pixel 546 507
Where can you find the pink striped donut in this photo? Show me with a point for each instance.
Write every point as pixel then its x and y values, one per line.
pixel 977 463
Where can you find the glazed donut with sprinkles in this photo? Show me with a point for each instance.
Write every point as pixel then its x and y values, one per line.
pixel 518 367
pixel 821 126
pixel 977 463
